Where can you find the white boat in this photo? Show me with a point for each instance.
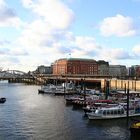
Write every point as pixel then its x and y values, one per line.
pixel 116 112
pixel 50 88
pixel 65 88
pixel 3 81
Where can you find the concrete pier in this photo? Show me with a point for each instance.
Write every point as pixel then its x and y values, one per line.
pixel 120 84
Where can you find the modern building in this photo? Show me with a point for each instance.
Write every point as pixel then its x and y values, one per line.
pixel 103 68
pixel 134 71
pixel 117 71
pixel 44 69
pixel 75 66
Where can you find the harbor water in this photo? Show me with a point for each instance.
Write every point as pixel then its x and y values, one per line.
pixel 27 115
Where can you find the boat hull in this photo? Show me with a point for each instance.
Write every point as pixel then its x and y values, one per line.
pixel 94 117
pixel 2 100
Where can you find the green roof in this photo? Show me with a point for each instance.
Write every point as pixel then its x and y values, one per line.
pixel 83 59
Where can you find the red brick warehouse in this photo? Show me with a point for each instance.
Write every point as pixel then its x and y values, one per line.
pixel 75 66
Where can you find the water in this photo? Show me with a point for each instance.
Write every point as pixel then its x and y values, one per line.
pixel 27 115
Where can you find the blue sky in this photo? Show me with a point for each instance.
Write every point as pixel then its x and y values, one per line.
pixel 38 32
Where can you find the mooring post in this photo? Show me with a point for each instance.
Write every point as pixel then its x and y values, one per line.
pixel 128 106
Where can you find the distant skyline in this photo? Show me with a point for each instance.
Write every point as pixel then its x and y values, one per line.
pixel 38 32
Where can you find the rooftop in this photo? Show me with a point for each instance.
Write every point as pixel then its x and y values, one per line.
pixel 83 59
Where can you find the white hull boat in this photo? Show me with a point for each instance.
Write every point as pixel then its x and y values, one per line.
pixel 106 113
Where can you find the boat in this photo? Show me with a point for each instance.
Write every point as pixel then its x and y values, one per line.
pixel 50 88
pixel 62 91
pixel 65 88
pixel 98 103
pixel 115 112
pixel 71 99
pixel 2 100
pixel 3 81
pixel 135 130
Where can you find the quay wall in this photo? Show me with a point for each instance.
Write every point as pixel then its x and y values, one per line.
pixel 120 84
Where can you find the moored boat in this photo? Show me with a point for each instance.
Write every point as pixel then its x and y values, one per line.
pixel 135 130
pixel 48 89
pixel 3 81
pixel 116 112
pixel 2 100
pixel 92 107
pixel 70 100
pixel 65 88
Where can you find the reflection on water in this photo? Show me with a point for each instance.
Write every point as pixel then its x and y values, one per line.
pixel 29 115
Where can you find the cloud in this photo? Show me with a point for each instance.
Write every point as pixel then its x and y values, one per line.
pixel 6 51
pixel 55 13
pixel 119 25
pixel 2 3
pixel 9 61
pixel 8 17
pixel 47 36
pixel 114 54
pixel 87 43
pixel 4 42
pixel 119 53
pixel 136 50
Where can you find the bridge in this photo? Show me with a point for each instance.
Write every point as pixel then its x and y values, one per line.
pixel 19 76
pixel 96 80
pixel 7 74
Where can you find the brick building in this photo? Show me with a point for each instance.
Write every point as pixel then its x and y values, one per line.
pixel 75 66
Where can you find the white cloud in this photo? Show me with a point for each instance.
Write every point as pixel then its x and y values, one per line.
pixel 2 3
pixel 8 17
pixel 11 22
pixel 87 43
pixel 136 50
pixel 47 37
pixel 54 12
pixel 114 55
pixel 27 3
pixel 120 53
pixel 34 34
pixel 119 25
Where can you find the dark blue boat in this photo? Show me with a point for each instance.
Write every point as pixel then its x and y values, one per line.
pixel 2 100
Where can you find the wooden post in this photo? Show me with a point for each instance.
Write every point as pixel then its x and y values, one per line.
pixel 135 85
pixel 81 85
pixel 116 83
pixel 125 88
pixel 84 92
pixel 107 89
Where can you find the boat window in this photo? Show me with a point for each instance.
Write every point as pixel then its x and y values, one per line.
pixel 112 112
pixel 115 111
pixel 108 111
pixel 100 112
pixel 122 111
pixel 104 112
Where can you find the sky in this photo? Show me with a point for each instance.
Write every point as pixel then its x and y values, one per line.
pixel 38 32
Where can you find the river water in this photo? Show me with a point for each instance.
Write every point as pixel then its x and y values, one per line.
pixel 27 115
